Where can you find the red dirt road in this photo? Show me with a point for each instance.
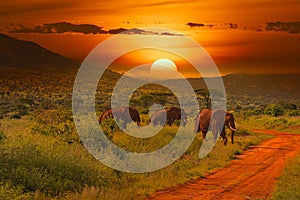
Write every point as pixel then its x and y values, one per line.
pixel 251 176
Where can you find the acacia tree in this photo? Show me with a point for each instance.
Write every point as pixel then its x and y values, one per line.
pixel 207 96
pixel 204 96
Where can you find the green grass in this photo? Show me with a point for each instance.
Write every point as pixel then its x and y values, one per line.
pixel 44 166
pixel 288 185
pixel 284 124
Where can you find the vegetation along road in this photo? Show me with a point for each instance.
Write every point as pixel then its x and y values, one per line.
pixel 251 176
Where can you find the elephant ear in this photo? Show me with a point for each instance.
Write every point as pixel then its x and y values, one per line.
pixel 197 123
pixel 219 115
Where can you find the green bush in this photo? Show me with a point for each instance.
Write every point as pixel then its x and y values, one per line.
pixel 8 192
pixel 274 110
pixel 54 172
pixel 57 123
pixel 109 125
pixel 292 113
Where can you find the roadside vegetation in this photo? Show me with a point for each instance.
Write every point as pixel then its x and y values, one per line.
pixel 265 122
pixel 288 185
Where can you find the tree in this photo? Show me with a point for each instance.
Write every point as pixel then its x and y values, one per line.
pixel 146 101
pixel 204 95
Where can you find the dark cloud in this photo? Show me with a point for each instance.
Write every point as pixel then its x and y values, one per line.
pixel 170 34
pixel 227 25
pixel 117 31
pixel 290 27
pixel 139 32
pixel 232 26
pixel 62 27
pixel 131 31
pixel 192 24
pixel 65 27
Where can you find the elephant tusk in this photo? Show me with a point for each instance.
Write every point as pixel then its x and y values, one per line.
pixel 233 129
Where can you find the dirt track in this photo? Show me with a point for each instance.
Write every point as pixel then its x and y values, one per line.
pixel 251 176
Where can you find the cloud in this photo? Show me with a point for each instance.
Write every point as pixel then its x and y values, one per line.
pixel 65 27
pixel 170 34
pixel 140 32
pixel 290 27
pixel 192 24
pixel 62 27
pixel 232 26
pixel 132 31
pixel 226 25
pixel 163 3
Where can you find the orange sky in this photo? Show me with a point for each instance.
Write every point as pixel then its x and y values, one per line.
pixel 234 50
pixel 114 12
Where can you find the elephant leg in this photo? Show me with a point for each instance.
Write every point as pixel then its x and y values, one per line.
pixel 225 140
pixel 215 134
pixel 169 122
pixel 232 137
pixel 204 134
pixel 223 135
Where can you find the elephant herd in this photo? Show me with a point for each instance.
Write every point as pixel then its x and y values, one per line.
pixel 214 120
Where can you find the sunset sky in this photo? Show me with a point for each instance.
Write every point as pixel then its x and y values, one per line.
pixel 233 32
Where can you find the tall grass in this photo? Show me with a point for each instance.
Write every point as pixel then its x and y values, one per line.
pixel 288 185
pixel 44 166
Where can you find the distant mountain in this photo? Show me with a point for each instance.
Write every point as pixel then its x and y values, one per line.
pixel 270 85
pixel 256 88
pixel 19 53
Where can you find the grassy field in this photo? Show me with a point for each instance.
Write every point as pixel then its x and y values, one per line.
pixel 288 185
pixel 35 164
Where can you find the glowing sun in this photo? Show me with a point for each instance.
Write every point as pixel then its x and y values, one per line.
pixel 163 65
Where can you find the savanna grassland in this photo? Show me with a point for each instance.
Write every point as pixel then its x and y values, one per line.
pixel 42 157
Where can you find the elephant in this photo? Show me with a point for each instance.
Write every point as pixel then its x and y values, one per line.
pixel 229 122
pixel 122 114
pixel 106 114
pixel 203 122
pixel 218 119
pixel 170 114
pixel 218 125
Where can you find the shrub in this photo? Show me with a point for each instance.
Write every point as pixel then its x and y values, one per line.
pixel 109 125
pixel 63 169
pixel 58 123
pixel 8 192
pixel 292 113
pixel 274 110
